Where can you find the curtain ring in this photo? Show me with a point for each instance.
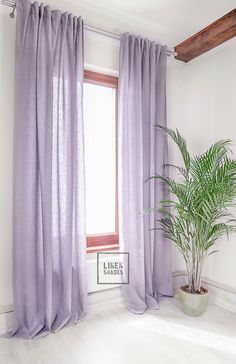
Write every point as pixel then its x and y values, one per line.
pixel 12 14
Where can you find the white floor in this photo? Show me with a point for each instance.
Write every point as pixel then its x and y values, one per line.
pixel 111 334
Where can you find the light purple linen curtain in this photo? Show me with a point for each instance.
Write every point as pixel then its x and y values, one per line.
pixel 143 151
pixel 49 245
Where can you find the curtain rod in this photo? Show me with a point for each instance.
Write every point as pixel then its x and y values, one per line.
pixel 12 4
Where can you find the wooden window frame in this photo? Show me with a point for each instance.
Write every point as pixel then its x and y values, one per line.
pixel 106 241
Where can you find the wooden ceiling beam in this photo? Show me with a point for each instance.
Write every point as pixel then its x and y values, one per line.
pixel 208 38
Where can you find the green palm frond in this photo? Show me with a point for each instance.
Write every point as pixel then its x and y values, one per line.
pixel 181 143
pixel 200 211
pixel 181 170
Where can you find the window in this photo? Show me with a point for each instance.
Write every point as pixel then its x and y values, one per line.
pixel 100 124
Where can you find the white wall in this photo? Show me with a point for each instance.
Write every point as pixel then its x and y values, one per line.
pixel 222 266
pixel 101 53
pixel 7 32
pixel 202 105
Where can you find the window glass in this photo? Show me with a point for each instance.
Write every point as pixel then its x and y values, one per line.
pixel 100 158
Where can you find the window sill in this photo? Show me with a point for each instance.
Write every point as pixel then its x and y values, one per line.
pixel 102 242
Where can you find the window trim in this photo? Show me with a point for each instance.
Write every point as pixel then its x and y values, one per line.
pixel 106 241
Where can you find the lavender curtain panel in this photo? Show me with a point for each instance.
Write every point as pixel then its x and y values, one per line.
pixel 49 245
pixel 143 151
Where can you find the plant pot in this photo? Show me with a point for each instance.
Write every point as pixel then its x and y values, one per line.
pixel 193 304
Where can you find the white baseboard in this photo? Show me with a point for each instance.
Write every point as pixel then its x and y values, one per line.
pixel 6 322
pixel 98 302
pixel 221 295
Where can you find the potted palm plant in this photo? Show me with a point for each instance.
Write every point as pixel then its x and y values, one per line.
pixel 198 212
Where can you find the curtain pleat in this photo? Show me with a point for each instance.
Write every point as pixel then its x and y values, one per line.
pixel 143 152
pixel 49 242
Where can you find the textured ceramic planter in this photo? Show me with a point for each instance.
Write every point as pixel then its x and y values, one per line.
pixel 193 304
